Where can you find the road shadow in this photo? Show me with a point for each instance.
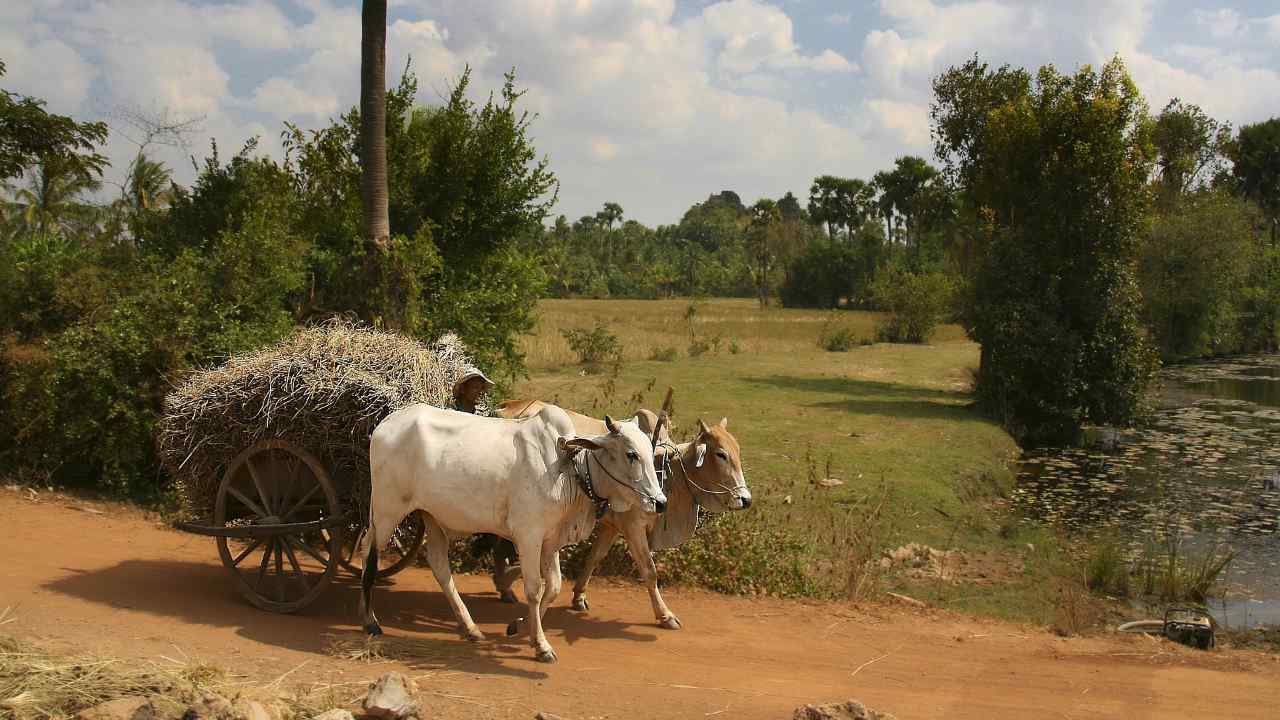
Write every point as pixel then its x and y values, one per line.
pixel 869 397
pixel 202 594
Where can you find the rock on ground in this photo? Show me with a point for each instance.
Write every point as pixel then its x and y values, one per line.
pixel 391 698
pixel 125 708
pixel 848 710
pixel 211 706
pixel 335 714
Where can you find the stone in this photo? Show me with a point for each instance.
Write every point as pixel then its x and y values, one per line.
pixel 546 716
pixel 211 706
pixel 250 710
pixel 335 714
pixel 391 698
pixel 848 710
pixel 125 708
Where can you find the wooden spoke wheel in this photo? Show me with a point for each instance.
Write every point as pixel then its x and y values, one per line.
pixel 277 484
pixel 398 554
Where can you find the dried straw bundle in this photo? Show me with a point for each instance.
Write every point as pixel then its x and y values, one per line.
pixel 324 388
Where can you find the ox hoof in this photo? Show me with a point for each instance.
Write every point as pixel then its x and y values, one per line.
pixel 671 623
pixel 513 628
pixel 509 597
pixel 472 634
pixel 372 629
pixel 580 603
pixel 547 656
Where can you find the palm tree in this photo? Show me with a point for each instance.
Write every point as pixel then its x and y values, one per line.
pixel 52 199
pixel 373 122
pixel 150 185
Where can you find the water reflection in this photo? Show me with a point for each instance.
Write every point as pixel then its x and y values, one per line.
pixel 1207 468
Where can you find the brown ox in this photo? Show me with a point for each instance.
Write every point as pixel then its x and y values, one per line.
pixel 705 472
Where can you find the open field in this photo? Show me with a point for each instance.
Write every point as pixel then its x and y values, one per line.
pixel 890 421
pixel 110 582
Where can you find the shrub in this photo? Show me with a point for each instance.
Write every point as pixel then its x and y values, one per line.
pixel 666 354
pixel 734 347
pixel 916 303
pixel 821 276
pixel 698 347
pixel 834 338
pixel 1106 571
pixel 593 346
pixel 838 340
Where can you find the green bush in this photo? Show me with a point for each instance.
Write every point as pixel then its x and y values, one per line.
pixel 593 346
pixel 915 302
pixel 666 354
pixel 838 339
pixel 823 274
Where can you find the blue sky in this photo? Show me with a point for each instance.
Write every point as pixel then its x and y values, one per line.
pixel 650 103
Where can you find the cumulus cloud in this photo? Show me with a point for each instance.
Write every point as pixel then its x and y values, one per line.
pixel 638 103
pixel 1229 71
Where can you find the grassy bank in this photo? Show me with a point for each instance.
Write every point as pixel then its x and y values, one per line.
pixel 891 422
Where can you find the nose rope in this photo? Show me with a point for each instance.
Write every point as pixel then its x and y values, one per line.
pixel 728 490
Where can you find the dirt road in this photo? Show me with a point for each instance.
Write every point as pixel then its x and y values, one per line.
pixel 120 584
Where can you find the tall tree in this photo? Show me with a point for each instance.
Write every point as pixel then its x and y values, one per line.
pixel 373 122
pixel 1189 145
pixel 53 198
pixel 902 197
pixel 1256 154
pixel 28 133
pixel 765 219
pixel 1054 173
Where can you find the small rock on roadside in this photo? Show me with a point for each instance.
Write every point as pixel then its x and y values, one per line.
pixel 391 698
pixel 335 714
pixel 546 716
pixel 210 707
pixel 848 710
pixel 126 708
pixel 250 710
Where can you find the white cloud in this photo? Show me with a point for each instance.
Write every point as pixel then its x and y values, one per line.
pixel 909 121
pixel 752 35
pixel 1222 23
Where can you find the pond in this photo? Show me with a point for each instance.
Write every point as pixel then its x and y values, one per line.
pixel 1207 470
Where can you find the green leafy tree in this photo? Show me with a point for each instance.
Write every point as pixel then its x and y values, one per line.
pixel 902 197
pixel 54 198
pixel 1197 261
pixel 30 134
pixel 1053 174
pixel 1256 158
pixel 762 232
pixel 1189 146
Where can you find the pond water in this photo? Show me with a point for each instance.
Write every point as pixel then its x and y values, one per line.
pixel 1207 470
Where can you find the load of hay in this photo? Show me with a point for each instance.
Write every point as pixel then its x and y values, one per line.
pixel 324 388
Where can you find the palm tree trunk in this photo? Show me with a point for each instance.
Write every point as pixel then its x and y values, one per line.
pixel 373 122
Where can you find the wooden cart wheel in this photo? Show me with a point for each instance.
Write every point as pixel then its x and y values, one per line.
pixel 273 483
pixel 399 554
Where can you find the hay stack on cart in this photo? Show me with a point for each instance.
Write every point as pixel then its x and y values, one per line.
pixel 270 452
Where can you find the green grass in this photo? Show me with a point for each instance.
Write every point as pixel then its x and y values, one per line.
pixel 891 421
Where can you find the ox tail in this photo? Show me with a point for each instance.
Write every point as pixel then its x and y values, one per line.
pixel 367 580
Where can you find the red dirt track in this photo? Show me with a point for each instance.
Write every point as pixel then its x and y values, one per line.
pixel 120 584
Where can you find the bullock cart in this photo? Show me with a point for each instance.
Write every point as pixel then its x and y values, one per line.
pixel 269 453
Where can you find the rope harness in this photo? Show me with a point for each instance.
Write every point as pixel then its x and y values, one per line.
pixel 587 483
pixel 688 477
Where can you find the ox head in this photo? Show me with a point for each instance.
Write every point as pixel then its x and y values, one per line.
pixel 620 463
pixel 715 472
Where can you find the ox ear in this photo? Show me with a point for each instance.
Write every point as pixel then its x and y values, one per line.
pixel 701 454
pixel 608 422
pixel 724 423
pixel 702 427
pixel 579 443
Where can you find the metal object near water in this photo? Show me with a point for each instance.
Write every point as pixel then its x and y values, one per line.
pixel 1189 626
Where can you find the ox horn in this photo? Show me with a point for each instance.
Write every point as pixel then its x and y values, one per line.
pixel 608 422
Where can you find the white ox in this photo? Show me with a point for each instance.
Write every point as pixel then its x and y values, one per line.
pixel 522 480
pixel 706 472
